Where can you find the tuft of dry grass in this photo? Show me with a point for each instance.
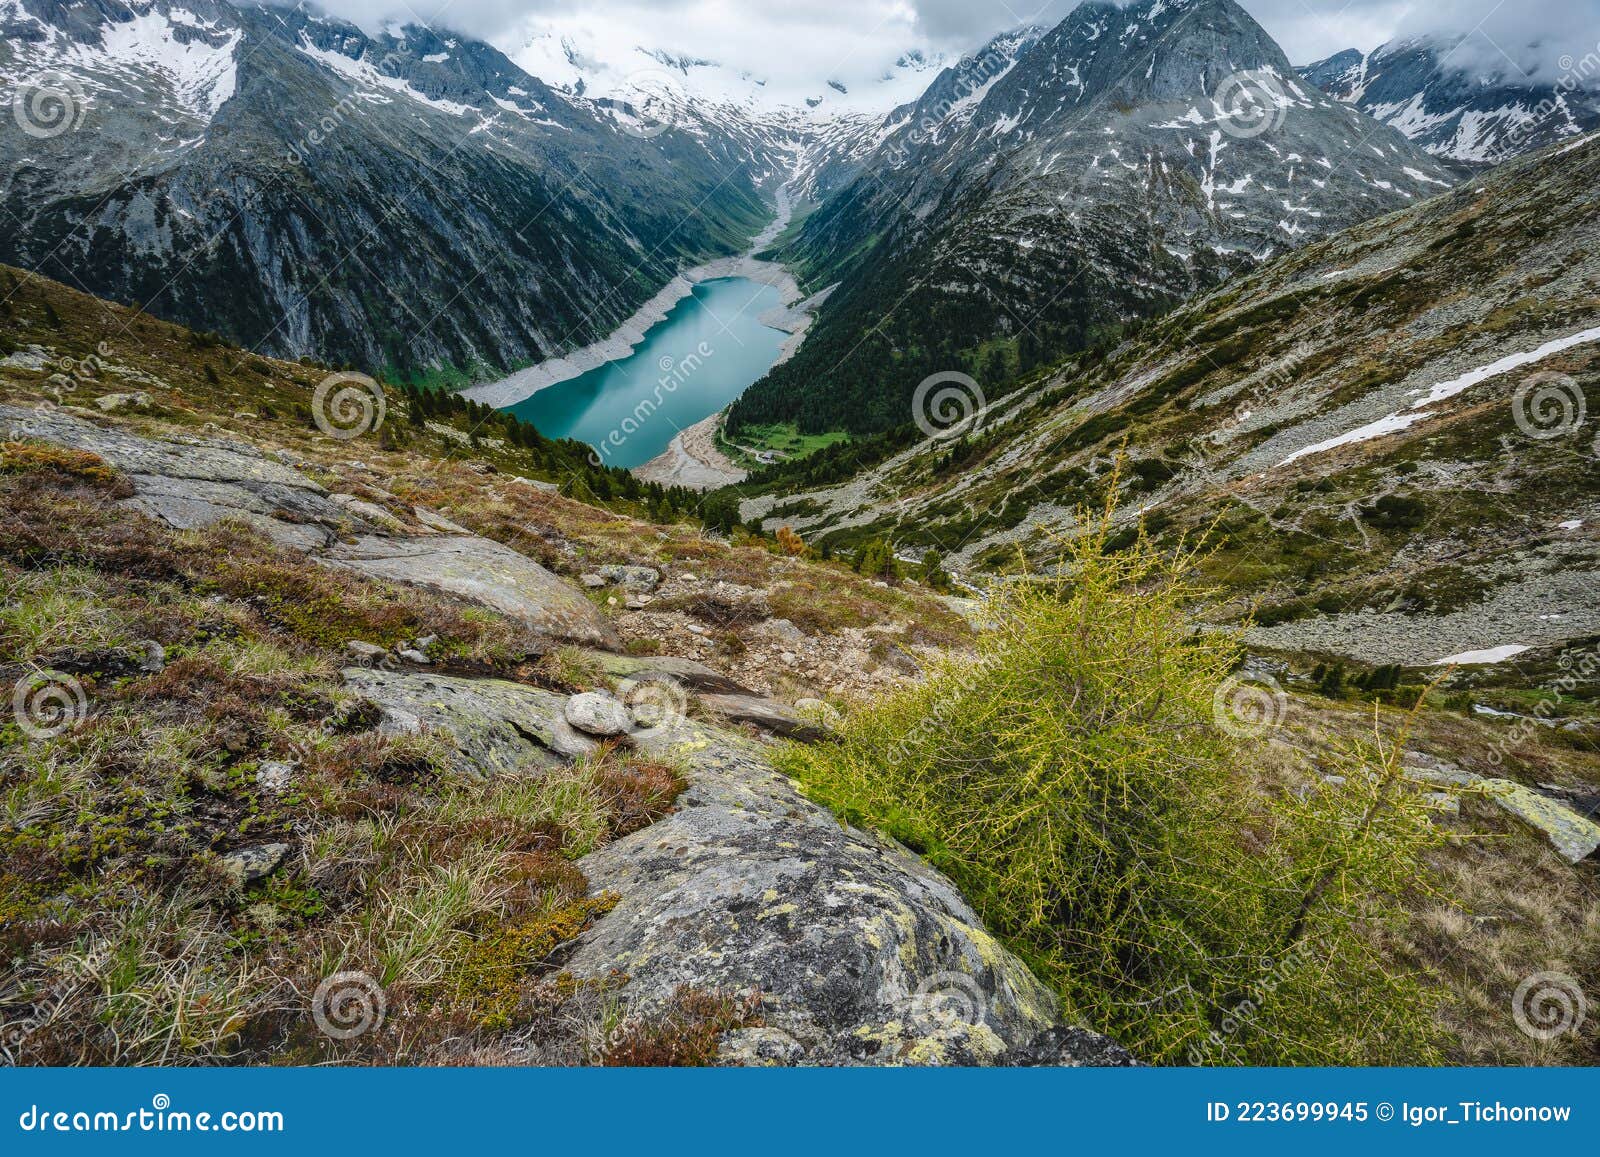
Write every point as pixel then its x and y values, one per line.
pixel 684 1032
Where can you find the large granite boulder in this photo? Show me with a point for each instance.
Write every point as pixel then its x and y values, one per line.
pixel 863 953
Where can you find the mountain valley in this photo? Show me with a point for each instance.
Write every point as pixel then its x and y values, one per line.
pixel 1075 544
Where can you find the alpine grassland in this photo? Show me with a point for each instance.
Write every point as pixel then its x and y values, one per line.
pixel 1184 883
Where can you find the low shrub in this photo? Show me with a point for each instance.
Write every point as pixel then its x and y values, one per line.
pixel 1084 782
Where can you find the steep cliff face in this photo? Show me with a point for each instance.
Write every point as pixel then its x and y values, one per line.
pixel 410 201
pixel 1127 158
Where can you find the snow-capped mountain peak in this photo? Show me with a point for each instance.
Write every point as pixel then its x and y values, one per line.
pixel 1423 87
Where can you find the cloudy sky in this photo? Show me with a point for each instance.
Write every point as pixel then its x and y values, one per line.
pixel 796 41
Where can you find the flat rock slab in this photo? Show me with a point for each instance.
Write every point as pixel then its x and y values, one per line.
pixel 863 953
pixel 196 482
pixel 480 571
pixel 690 673
pixel 778 718
pixel 1574 837
pixel 498 727
pixel 208 459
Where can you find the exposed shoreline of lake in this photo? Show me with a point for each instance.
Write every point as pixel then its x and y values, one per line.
pixel 793 318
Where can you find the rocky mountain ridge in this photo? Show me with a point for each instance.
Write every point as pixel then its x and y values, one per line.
pixel 1420 87
pixel 303 188
pixel 1129 158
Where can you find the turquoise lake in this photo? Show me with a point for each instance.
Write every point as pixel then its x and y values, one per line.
pixel 707 352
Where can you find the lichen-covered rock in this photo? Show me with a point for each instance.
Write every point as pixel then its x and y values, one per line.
pixel 634 578
pixel 597 714
pixel 863 953
pixel 247 865
pixel 1574 837
pixel 274 776
pixel 497 727
pixel 433 520
pixel 480 571
pixel 689 673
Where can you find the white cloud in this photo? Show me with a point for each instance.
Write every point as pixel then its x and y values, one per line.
pixel 798 41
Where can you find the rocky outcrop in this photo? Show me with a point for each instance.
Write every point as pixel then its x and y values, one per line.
pixel 768 714
pixel 1573 837
pixel 862 953
pixel 691 673
pixel 195 482
pixel 494 727
pixel 480 571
